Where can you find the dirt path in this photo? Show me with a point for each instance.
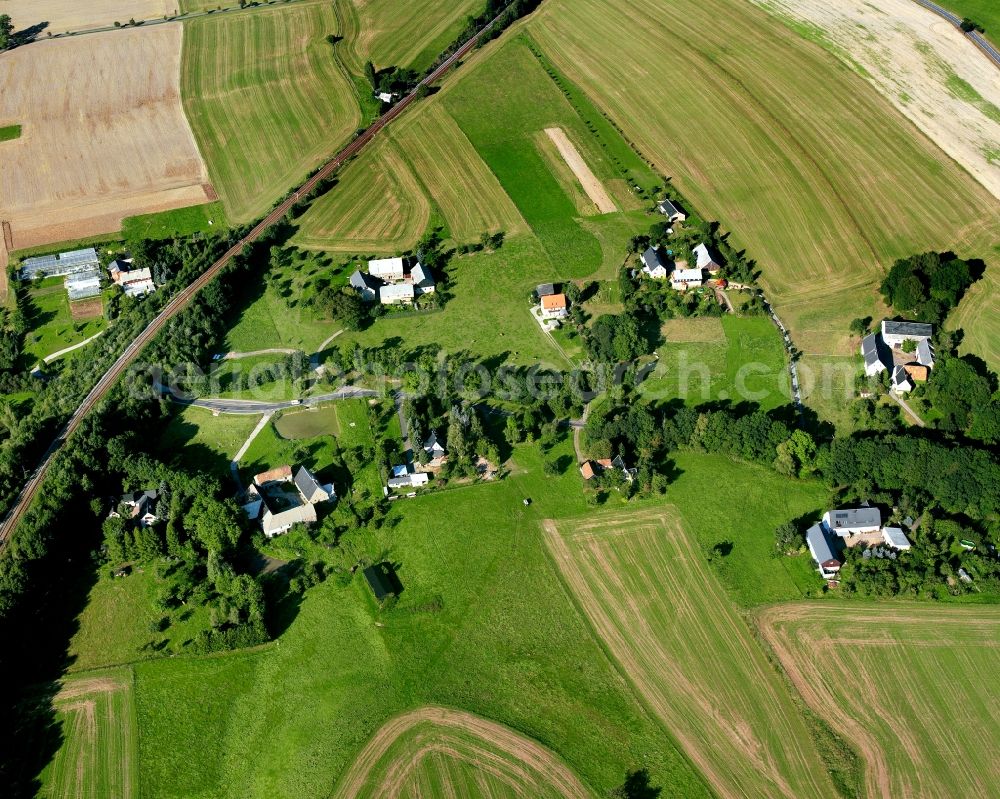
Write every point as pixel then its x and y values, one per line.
pixel 326 343
pixel 906 407
pixel 66 350
pixel 594 188
pixel 515 751
pixel 234 464
pixel 235 356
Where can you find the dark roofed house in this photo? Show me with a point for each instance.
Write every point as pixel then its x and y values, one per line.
pixel 545 289
pixel 821 550
pixel 895 333
pixel 671 210
pixel 310 490
pixel 366 285
pixel 875 353
pixel 139 507
pixel 383 580
pixel 653 264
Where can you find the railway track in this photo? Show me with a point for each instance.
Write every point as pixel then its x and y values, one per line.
pixel 186 295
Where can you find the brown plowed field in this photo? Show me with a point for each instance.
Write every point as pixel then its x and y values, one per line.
pixel 434 751
pixel 104 135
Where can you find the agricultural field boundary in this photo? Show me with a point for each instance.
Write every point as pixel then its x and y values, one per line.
pixel 526 767
pixel 904 681
pixel 99 754
pixel 669 625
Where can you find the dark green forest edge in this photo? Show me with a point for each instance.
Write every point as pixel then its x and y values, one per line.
pixel 946 475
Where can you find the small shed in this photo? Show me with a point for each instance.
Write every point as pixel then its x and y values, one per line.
pixel 383 580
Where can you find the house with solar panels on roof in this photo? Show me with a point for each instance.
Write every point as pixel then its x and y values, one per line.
pixel 886 351
pixel 843 528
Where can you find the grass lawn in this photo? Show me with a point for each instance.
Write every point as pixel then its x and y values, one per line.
pixel 195 439
pixel 178 222
pixel 528 106
pixel 275 312
pixel 270 450
pixel 929 731
pixel 487 315
pixel 316 440
pixel 748 364
pixel 723 500
pixel 309 424
pixel 52 325
pixel 812 171
pixel 642 582
pixel 266 100
pixel 105 639
pixel 483 624
pixel 225 376
pixel 10 132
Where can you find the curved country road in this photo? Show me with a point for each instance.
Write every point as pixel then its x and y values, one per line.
pixel 185 296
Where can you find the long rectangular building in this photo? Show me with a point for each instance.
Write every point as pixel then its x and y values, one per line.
pixel 60 265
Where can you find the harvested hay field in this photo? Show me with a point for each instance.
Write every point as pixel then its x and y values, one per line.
pixel 593 187
pixel 665 619
pixel 266 99
pixel 410 34
pixel 98 752
pixel 91 308
pixel 922 65
pixel 434 751
pixel 109 140
pixel 790 149
pixel 384 200
pixel 60 16
pixel 910 684
pixel 378 206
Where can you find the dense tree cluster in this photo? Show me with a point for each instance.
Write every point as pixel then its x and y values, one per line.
pixel 6 31
pixel 615 338
pixel 925 287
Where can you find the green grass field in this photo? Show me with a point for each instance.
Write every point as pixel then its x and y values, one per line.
pixel 115 625
pixel 266 100
pixel 52 325
pixel 483 624
pixel 906 683
pixel 178 222
pixel 748 363
pixel 98 755
pixel 195 439
pixel 812 171
pixel 644 586
pixel 10 132
pixel 309 424
pixel 707 490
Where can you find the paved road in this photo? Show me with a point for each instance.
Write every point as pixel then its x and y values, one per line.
pixel 254 407
pixel 985 46
pixel 185 296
